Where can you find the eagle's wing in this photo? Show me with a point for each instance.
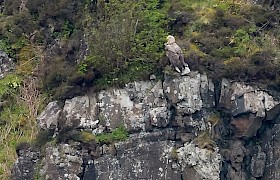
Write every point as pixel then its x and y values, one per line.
pixel 172 55
pixel 180 54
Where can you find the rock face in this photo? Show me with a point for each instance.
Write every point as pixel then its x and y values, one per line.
pixel 270 146
pixel 206 163
pixel 179 128
pixel 80 112
pixel 61 162
pixel 48 119
pixel 6 64
pixel 249 106
pixel 139 159
pixel 258 163
pixel 26 165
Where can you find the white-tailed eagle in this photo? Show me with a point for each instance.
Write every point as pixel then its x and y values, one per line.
pixel 176 56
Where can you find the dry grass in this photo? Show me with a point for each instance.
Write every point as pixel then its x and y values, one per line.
pixel 21 125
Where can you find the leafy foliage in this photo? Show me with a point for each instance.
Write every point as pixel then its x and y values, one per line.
pixel 127 41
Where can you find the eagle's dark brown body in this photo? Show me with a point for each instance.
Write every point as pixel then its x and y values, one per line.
pixel 175 55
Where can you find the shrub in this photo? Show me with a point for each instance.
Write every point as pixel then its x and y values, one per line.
pixel 130 48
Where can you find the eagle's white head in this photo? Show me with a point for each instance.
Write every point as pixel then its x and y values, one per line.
pixel 170 39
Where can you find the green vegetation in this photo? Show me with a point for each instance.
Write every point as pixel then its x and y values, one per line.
pixel 126 43
pixel 16 128
pixel 17 116
pixel 9 85
pixel 118 134
pixel 87 137
pixel 226 39
pixel 125 40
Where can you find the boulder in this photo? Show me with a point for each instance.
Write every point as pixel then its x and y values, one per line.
pixel 81 112
pixel 135 106
pixel 240 98
pixel 184 92
pixel 6 64
pixel 248 105
pixel 206 163
pixel 189 93
pixel 48 119
pixel 233 174
pixel 111 104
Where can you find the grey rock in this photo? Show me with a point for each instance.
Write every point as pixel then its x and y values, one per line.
pixel 190 173
pixel 6 64
pixel 241 98
pixel 145 160
pixel 238 152
pixel 246 125
pixel 100 129
pixel 206 163
pixel 248 105
pixel 159 116
pixel 49 117
pixel 258 162
pixel 225 95
pixel 81 112
pixel 185 93
pixel 186 137
pixel 271 148
pixel 105 149
pixel 61 162
pixel 111 106
pixel 134 139
pixel 25 168
pixel 207 91
pixel 135 106
pixel 233 174
pixel 152 77
pixel 189 93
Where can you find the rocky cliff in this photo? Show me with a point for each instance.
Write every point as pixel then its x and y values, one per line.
pixel 182 127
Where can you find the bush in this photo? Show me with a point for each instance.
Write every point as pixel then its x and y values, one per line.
pixel 131 47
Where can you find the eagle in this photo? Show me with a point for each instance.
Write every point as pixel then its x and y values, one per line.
pixel 176 56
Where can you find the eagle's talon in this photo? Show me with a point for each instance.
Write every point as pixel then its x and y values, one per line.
pixel 177 69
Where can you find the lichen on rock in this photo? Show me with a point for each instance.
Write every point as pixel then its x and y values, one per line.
pixel 205 162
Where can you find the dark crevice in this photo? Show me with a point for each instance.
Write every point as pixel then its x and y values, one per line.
pixel 88 172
